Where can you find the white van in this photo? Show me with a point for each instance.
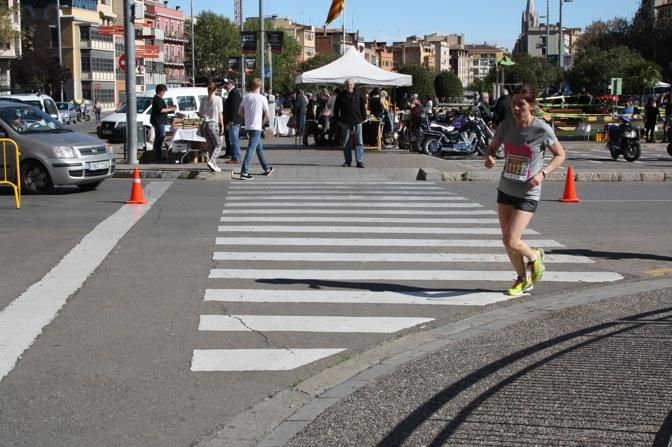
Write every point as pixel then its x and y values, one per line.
pixel 187 100
pixel 43 102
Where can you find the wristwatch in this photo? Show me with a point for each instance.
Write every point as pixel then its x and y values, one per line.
pixel 544 172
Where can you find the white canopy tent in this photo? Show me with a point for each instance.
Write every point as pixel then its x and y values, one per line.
pixel 353 66
pixel 661 84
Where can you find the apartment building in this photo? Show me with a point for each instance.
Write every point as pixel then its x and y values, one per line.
pixel 303 34
pixel 330 41
pixel 10 50
pixel 414 50
pixel 88 56
pixel 460 64
pixel 484 58
pixel 663 9
pixel 384 55
pixel 160 16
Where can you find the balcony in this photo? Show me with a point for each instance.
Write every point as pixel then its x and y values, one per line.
pixel 174 36
pixel 91 5
pixel 173 60
pixel 153 33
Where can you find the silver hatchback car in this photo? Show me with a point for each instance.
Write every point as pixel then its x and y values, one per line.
pixel 52 155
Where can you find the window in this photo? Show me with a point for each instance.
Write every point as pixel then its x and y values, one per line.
pixel 186 103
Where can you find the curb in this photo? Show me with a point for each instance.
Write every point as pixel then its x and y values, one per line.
pixel 580 176
pixel 175 174
pixel 276 420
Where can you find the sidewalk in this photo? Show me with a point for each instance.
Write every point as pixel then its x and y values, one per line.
pixel 299 163
pixel 590 369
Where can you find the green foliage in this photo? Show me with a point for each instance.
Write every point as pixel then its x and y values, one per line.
pixel 482 85
pixel 215 39
pixel 423 81
pixel 448 85
pixel 7 32
pixel 604 35
pixel 535 71
pixel 594 69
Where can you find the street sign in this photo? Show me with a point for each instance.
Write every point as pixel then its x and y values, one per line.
pixel 248 41
pixel 148 51
pixel 111 30
pixel 616 86
pixel 122 62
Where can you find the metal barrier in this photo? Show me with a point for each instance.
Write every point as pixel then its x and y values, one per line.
pixel 5 180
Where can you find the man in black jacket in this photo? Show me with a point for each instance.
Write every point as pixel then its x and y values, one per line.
pixel 159 119
pixel 233 120
pixel 503 108
pixel 350 113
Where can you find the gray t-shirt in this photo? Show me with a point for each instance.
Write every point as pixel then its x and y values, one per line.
pixel 524 156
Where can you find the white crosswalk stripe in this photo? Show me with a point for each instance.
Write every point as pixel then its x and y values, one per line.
pixel 406 237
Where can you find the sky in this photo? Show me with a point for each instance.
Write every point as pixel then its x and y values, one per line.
pixel 492 21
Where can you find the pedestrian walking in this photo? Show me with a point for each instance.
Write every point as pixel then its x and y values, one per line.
pixel 502 108
pixel 651 113
pixel 668 117
pixel 97 109
pixel 233 119
pixel 350 112
pixel 525 139
pixel 159 119
pixel 211 110
pixel 271 109
pixel 254 109
pixel 300 110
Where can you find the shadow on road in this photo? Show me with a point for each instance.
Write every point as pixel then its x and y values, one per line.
pixel 584 338
pixel 614 255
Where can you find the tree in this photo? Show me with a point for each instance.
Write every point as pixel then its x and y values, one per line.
pixel 215 39
pixel 448 85
pixel 605 35
pixel 594 69
pixel 7 31
pixel 423 81
pixel 285 64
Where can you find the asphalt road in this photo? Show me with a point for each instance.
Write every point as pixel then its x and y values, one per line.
pixel 116 366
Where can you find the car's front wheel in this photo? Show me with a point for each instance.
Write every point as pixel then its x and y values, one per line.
pixel 35 178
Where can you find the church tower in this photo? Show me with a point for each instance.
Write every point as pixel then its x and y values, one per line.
pixel 530 17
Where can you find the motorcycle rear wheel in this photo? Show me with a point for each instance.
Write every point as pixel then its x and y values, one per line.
pixel 632 152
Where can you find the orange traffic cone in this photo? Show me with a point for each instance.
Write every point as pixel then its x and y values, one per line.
pixel 137 194
pixel 570 188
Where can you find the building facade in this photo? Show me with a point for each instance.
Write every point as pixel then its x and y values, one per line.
pixel 663 9
pixel 159 15
pixel 10 50
pixel 484 58
pixel 414 50
pixel 303 34
pixel 88 56
pixel 330 41
pixel 384 55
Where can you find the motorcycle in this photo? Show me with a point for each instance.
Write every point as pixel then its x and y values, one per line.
pixel 83 115
pixel 669 138
pixel 472 136
pixel 623 139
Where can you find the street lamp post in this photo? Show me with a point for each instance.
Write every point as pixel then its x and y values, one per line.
pixel 561 36
pixel 193 41
pixel 60 46
pixel 262 46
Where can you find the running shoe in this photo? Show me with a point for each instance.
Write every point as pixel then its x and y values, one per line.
pixel 519 287
pixel 269 171
pixel 245 176
pixel 537 267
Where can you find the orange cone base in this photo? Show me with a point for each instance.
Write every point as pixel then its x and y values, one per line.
pixel 577 200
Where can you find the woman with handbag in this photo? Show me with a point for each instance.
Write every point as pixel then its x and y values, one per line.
pixel 212 127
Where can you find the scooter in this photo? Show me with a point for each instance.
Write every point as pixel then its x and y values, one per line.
pixel 623 139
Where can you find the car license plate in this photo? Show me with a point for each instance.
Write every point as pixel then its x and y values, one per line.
pixel 96 165
pixel 106 132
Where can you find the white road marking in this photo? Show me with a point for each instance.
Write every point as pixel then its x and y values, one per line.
pixel 261 241
pixel 629 200
pixel 355 197
pixel 23 320
pixel 594 161
pixel 385 257
pixel 344 212
pixel 312 323
pixel 231 360
pixel 305 204
pixel 438 192
pixel 387 220
pixel 337 183
pixel 436 298
pixel 360 229
pixel 405 275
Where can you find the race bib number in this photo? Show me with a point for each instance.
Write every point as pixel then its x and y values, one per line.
pixel 517 168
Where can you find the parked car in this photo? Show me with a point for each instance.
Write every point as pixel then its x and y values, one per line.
pixel 52 155
pixel 43 102
pixel 67 111
pixel 187 100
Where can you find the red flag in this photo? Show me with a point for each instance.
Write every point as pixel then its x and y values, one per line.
pixel 335 10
